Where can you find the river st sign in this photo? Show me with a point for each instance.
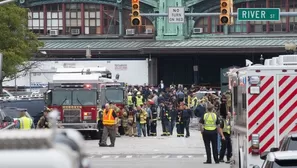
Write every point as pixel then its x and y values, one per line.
pixel 258 14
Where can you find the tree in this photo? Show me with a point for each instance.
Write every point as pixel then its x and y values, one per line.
pixel 17 43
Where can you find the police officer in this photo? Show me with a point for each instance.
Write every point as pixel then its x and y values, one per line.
pixel 209 123
pixel 226 144
pixel 109 122
pixel 100 124
pixel 24 123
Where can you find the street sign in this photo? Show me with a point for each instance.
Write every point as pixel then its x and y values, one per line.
pixel 176 15
pixel 258 14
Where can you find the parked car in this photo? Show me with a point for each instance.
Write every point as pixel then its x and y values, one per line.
pixel 289 142
pixel 280 159
pixel 14 113
pixel 4 119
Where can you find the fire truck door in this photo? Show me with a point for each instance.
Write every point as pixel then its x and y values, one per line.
pixel 287 103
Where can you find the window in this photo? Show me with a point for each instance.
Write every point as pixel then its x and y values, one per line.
pixel 84 97
pixel 92 19
pixel 36 74
pixel 73 17
pixel 114 95
pixel 61 97
pixel 36 20
pixel 288 163
pixel 54 17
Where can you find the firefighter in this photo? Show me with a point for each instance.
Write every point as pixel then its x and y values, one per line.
pixel 179 122
pixel 24 122
pixel 226 144
pixel 143 117
pixel 172 114
pixel 194 102
pixel 119 118
pixel 109 122
pixel 125 122
pixel 100 124
pixel 165 120
pixel 43 121
pixel 130 99
pixel 154 123
pixel 187 115
pixel 139 99
pixel 131 122
pixel 210 125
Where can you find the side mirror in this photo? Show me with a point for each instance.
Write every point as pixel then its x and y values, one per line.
pixel 274 149
pixel 264 155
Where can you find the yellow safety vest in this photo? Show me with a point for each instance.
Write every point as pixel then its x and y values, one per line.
pixel 25 123
pixel 227 126
pixel 139 101
pixel 193 102
pixel 210 119
pixel 189 101
pixel 129 99
pixel 108 118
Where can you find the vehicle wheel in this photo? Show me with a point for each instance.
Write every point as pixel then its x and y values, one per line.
pixel 94 135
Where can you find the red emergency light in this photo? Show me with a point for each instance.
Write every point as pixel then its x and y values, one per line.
pixel 88 86
pixel 135 1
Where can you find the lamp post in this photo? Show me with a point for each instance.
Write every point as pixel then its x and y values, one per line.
pixel 290 48
pixel 88 52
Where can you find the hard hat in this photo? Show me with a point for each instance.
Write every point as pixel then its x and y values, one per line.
pixel 135 90
pixel 125 114
pixel 138 93
pixel 129 93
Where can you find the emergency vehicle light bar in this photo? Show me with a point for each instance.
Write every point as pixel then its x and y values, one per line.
pixel 26 139
pixel 72 85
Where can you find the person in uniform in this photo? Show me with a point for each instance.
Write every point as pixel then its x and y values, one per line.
pixel 139 99
pixel 109 122
pixel 226 143
pixel 154 123
pixel 172 114
pixel 43 121
pixel 131 122
pixel 125 122
pixel 179 121
pixel 210 128
pixel 100 125
pixel 187 115
pixel 165 120
pixel 143 118
pixel 24 122
pixel 130 100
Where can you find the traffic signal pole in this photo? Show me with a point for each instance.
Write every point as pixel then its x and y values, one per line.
pixel 6 2
pixel 208 14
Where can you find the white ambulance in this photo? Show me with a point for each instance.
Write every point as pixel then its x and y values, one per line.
pixel 265 107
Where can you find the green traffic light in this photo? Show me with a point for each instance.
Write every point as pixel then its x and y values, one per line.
pixel 135 22
pixel 224 19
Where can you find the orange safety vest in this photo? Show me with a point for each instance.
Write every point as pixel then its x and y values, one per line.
pixel 108 118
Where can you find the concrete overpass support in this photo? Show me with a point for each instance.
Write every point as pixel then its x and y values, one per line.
pixel 153 71
pixel 165 30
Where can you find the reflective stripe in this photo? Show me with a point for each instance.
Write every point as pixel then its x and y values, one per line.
pixel 210 121
pixel 227 126
pixel 193 102
pixel 25 123
pixel 108 118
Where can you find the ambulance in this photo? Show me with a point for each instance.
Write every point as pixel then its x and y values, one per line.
pixel 264 101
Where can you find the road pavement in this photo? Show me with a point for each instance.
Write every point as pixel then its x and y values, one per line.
pixel 152 152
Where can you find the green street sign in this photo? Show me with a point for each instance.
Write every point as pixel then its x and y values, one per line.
pixel 258 14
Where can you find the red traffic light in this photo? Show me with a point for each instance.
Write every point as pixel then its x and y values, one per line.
pixel 135 1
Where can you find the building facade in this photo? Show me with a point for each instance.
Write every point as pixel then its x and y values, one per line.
pixel 93 19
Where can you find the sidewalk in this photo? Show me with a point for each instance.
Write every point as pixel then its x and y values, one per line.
pixel 152 145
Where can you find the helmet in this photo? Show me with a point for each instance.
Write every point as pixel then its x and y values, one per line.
pixel 138 93
pixel 125 114
pixel 129 94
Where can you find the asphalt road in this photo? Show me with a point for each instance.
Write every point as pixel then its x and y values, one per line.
pixel 151 152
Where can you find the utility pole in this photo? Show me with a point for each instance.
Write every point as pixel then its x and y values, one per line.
pixel 1 73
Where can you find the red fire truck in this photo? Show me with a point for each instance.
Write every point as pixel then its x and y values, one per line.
pixel 264 102
pixel 78 98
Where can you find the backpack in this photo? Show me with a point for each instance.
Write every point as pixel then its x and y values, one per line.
pixel 180 95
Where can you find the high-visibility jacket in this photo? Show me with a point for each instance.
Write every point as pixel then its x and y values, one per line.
pixel 210 119
pixel 143 116
pixel 25 123
pixel 194 102
pixel 108 118
pixel 139 101
pixel 189 101
pixel 227 126
pixel 129 101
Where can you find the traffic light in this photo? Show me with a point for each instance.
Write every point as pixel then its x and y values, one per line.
pixel 21 3
pixel 135 18
pixel 225 16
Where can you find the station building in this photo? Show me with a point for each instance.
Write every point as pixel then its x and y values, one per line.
pixel 102 28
